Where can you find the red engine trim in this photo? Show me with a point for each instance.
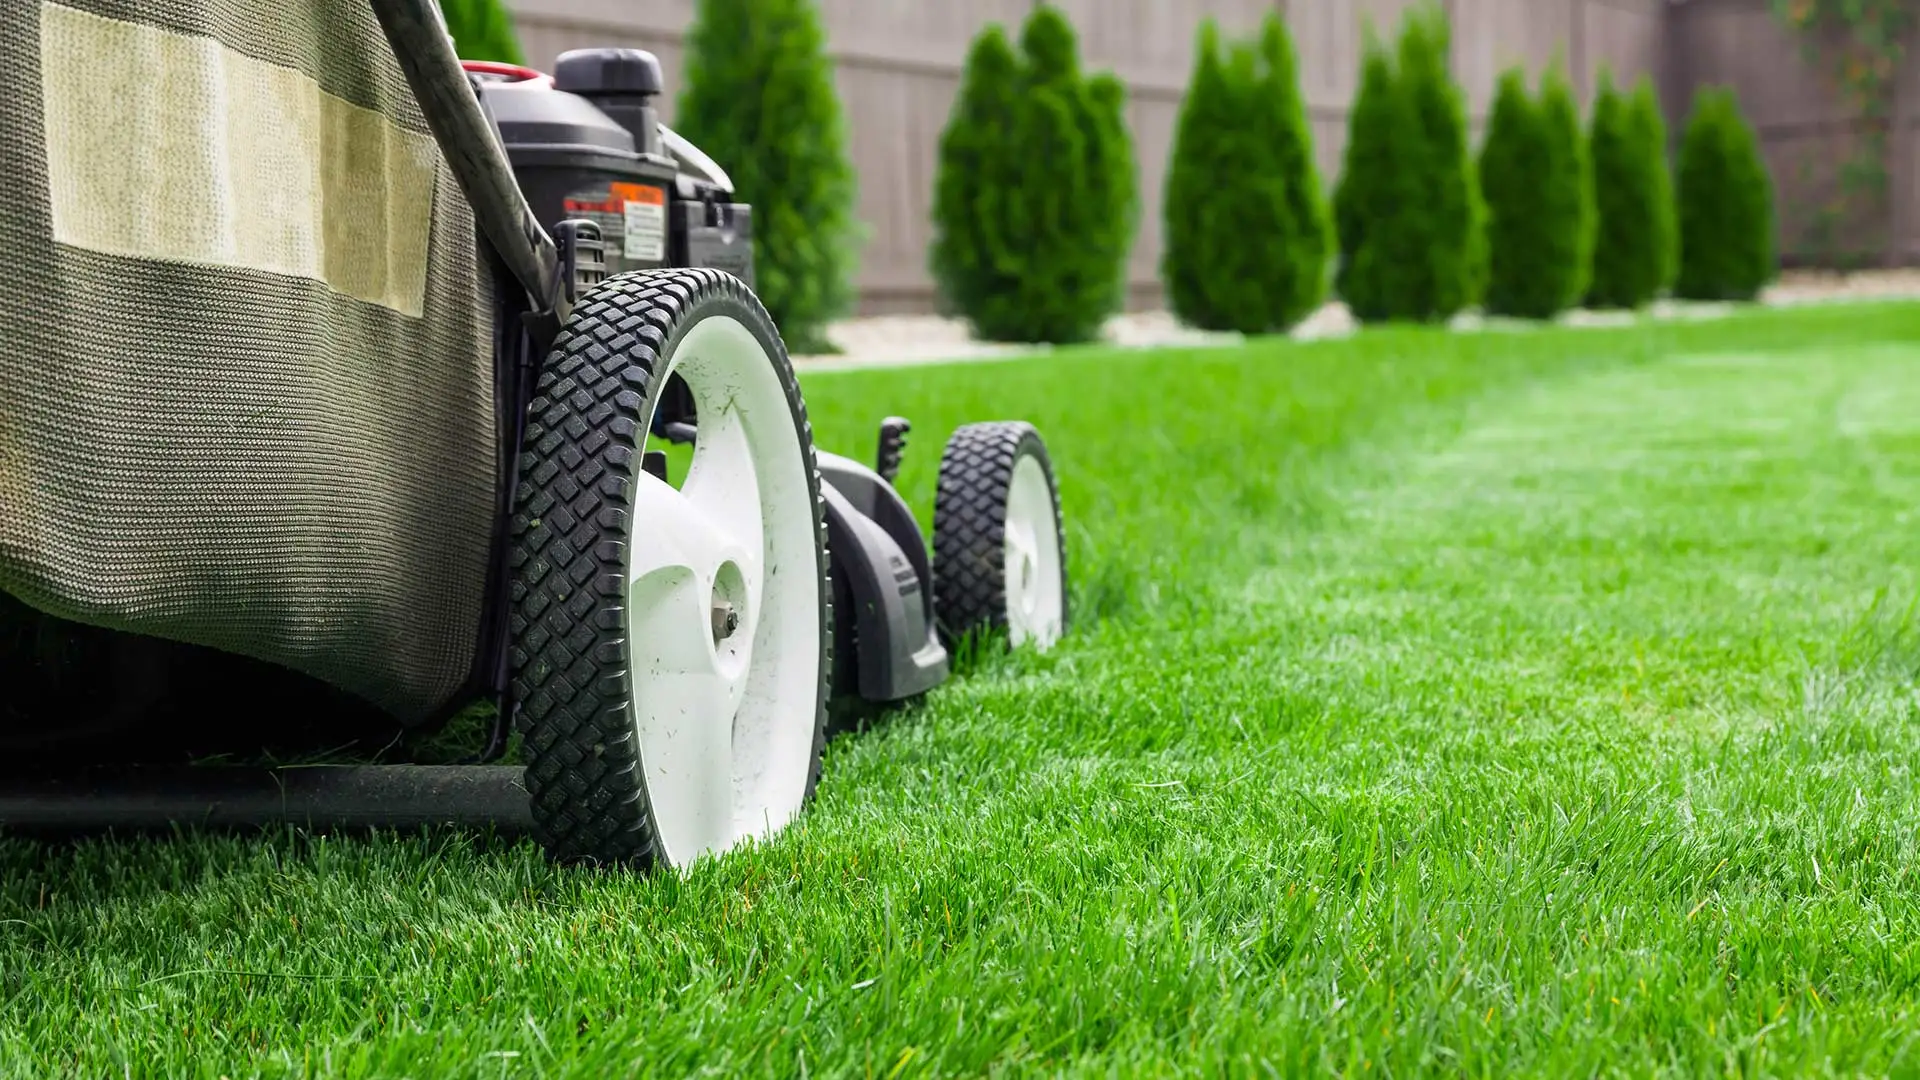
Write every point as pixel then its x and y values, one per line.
pixel 510 72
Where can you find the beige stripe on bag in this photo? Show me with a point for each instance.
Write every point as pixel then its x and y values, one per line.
pixel 174 147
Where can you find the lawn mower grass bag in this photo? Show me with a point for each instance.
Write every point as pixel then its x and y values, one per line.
pixel 247 390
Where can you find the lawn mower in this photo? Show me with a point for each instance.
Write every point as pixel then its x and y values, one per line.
pixel 348 385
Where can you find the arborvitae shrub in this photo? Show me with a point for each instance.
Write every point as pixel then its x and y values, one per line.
pixel 1725 201
pixel 1511 159
pixel 760 100
pixel 1035 196
pixel 1446 213
pixel 1620 263
pixel 972 156
pixel 1573 211
pixel 1114 175
pixel 1214 196
pixel 1246 228
pixel 1406 208
pixel 1534 174
pixel 1299 278
pixel 1479 250
pixel 1378 252
pixel 481 30
pixel 1648 124
pixel 1633 207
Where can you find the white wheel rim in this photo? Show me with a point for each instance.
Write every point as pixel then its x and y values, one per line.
pixel 1035 600
pixel 725 720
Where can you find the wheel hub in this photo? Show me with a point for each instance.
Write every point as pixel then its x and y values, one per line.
pixel 726 619
pixel 728 603
pixel 1024 594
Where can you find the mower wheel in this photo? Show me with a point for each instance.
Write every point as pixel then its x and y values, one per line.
pixel 671 647
pixel 998 560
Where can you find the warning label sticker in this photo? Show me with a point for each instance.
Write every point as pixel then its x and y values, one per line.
pixel 632 220
pixel 646 224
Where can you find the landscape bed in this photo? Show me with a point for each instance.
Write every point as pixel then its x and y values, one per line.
pixel 1495 703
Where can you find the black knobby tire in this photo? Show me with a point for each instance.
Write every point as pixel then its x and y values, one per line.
pixel 571 527
pixel 970 526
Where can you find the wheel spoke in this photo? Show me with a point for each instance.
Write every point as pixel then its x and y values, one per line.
pixel 723 484
pixel 685 690
pixel 686 751
pixel 673 535
pixel 1020 543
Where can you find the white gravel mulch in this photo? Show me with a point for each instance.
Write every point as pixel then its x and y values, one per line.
pixel 900 340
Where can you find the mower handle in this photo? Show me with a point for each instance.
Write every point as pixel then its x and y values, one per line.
pixel 417 33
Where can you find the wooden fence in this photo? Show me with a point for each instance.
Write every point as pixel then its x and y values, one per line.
pixel 898 67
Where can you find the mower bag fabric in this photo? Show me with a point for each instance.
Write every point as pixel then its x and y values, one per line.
pixel 246 388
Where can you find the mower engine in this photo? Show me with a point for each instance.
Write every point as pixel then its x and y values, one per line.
pixel 586 143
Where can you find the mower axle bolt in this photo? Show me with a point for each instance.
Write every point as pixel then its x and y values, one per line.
pixel 726 619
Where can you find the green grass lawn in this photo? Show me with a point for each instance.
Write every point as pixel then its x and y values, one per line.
pixel 1488 704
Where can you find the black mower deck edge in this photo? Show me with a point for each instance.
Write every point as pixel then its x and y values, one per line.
pixel 322 798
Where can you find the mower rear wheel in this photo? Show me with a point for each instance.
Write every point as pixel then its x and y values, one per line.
pixel 998 560
pixel 671 646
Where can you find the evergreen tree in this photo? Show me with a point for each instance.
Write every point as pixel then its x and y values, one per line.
pixel 1216 196
pixel 1407 209
pixel 1648 124
pixel 1299 284
pixel 1512 160
pixel 1114 175
pixel 1571 211
pixel 1539 201
pixel 1377 180
pixel 1725 204
pixel 971 257
pixel 1246 228
pixel 1479 246
pixel 1632 256
pixel 1620 253
pixel 1035 195
pixel 760 100
pixel 1444 217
